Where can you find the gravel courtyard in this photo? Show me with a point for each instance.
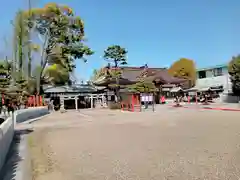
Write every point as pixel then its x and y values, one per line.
pixel 170 144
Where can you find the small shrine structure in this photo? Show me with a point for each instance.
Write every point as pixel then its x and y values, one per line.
pixel 77 96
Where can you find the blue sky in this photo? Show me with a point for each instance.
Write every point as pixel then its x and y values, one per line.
pixel 156 32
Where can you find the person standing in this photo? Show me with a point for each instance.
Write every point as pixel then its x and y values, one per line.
pixel 51 105
pixel 9 109
pixel 4 109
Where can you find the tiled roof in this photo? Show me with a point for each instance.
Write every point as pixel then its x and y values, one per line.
pixel 75 88
pixel 132 74
pixel 165 77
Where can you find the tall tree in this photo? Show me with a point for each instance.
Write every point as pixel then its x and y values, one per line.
pixel 13 93
pixel 5 75
pixel 234 72
pixel 23 46
pixel 58 28
pixel 20 42
pixel 116 55
pixel 184 68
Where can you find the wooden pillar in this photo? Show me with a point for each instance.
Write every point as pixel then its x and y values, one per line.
pixel 91 101
pixel 62 98
pixel 133 102
pixel 102 100
pixel 76 103
pixel 153 102
pixel 196 98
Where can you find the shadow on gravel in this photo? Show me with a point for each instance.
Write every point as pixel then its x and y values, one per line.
pixel 13 158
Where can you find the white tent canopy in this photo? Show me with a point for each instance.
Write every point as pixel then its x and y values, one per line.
pixel 176 89
pixel 201 89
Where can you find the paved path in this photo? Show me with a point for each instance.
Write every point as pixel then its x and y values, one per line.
pixel 211 105
pixel 174 144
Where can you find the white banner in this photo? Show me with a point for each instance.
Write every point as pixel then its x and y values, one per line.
pixel 146 98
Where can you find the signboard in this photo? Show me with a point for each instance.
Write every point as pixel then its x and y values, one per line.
pixel 147 98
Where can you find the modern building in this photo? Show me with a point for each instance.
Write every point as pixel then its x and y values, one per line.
pixel 215 76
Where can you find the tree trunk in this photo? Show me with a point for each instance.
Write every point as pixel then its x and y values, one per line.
pixel 43 62
pixel 20 58
pixel 29 62
pixel 29 67
pixel 117 90
pixel 117 82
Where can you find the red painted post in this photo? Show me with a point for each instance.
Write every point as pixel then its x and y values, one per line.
pixel 132 103
pixel 32 101
pixel 3 99
pixel 33 97
pixel 35 100
pixel 188 99
pixel 40 101
pixel 163 99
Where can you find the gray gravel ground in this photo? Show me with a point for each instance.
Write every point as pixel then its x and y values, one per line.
pixel 170 144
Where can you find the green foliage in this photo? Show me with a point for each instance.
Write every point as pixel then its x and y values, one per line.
pixel 5 75
pixel 32 86
pixel 112 73
pixel 184 68
pixel 63 38
pixel 23 45
pixel 234 72
pixel 61 29
pixel 14 93
pixel 20 42
pixel 143 87
pixel 108 73
pixel 116 54
pixel 114 105
pixel 57 74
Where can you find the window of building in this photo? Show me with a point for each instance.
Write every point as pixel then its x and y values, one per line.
pixel 217 72
pixel 201 74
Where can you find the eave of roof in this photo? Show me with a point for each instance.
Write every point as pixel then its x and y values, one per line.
pixel 70 89
pixel 212 67
pixel 133 74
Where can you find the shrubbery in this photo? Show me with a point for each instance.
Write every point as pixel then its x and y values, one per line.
pixel 114 105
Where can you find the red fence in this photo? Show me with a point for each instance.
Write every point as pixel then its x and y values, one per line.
pixel 132 105
pixel 35 100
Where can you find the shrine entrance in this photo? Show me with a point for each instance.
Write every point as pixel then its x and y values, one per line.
pixel 77 96
pixel 56 102
pixel 81 101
